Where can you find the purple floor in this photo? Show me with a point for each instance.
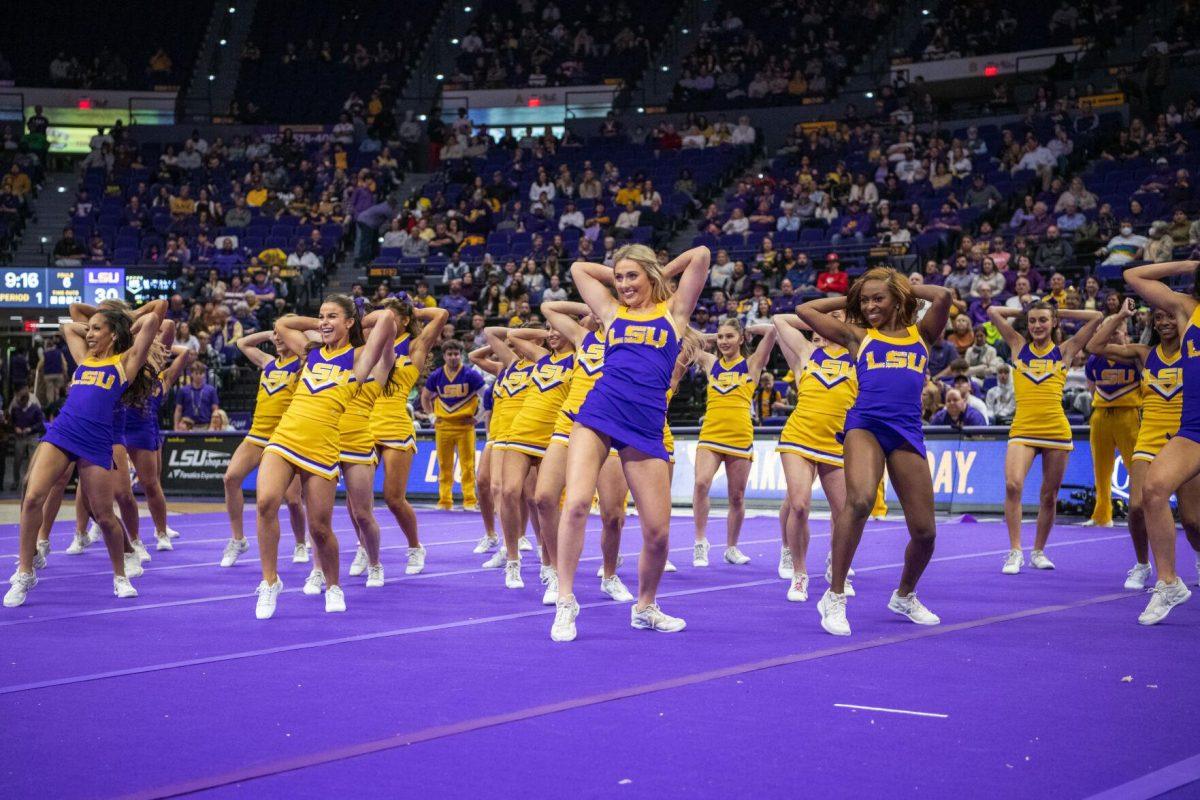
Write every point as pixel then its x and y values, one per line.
pixel 447 683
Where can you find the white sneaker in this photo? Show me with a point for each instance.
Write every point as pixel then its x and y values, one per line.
pixel 94 533
pixel 416 561
pixel 550 596
pixel 523 544
pixel 314 584
pixel 798 591
pixel 1013 562
pixel 39 557
pixel 544 571
pixel 374 576
pixel 832 608
pixel 667 567
pixel 912 608
pixel 335 600
pixel 359 565
pixel 133 566
pixel 700 553
pixel 566 609
pixel 1163 597
pixel 498 559
pixel 486 543
pixel 620 561
pixel 78 544
pixel 1039 560
pixel 20 584
pixel 614 588
pixel 300 554
pixel 1137 576
pixel 139 547
pixel 652 618
pixel 162 541
pixel 735 556
pixel 512 575
pixel 233 549
pixel 267 595
pixel 174 534
pixel 829 570
pixel 786 570
pixel 122 587
pixel 1091 523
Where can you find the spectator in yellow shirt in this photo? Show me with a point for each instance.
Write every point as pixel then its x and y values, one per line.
pixel 16 182
pixel 629 193
pixel 182 204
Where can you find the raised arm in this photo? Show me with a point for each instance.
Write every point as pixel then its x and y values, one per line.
pixel 497 337
pixel 248 345
pixel 796 347
pixel 529 342
pixel 1101 342
pixel 999 316
pixel 378 348
pixel 940 301
pixel 293 330
pixel 762 353
pixel 166 333
pixel 144 330
pixel 692 268
pixel 564 317
pixel 595 282
pixel 183 356
pixel 74 334
pixel 1147 281
pixel 1080 339
pixel 816 315
pixel 433 320
pixel 482 358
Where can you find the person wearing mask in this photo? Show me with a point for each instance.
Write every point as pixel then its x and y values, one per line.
pixel 1001 400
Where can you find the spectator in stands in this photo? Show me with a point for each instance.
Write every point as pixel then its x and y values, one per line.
pixel 1160 246
pixel 981 194
pixel 28 424
pixel 956 413
pixel 786 300
pixel 571 218
pixel 367 223
pixel 454 302
pixel 197 401
pixel 834 280
pixel 1125 247
pixel 239 216
pixel 743 133
pixel 960 278
pixel 456 269
pixel 967 387
pixel 857 224
pixel 68 252
pixel 1001 400
pixel 228 259
pixel 1054 252
pixel 737 223
pixel 1179 228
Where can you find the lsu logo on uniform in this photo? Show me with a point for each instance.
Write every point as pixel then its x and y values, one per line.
pixel 591 358
pixel 1040 369
pixel 549 376
pixel 640 334
pixel 1167 383
pixel 1192 350
pixel 96 377
pixel 1116 375
pixel 451 391
pixel 831 371
pixel 730 380
pixel 277 380
pixel 897 359
pixel 321 376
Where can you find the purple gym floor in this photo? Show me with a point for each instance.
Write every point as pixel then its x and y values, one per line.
pixel 447 684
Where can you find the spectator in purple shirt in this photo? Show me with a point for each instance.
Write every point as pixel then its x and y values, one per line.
pixel 857 224
pixel 702 322
pixel 1038 224
pixel 227 259
pixel 197 401
pixel 263 287
pixel 978 308
pixel 28 424
pixel 785 302
pixel 454 302
pixel 956 413
pixel 367 223
pixel 176 310
pixel 135 215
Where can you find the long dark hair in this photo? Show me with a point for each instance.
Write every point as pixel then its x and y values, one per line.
pixel 142 385
pixel 400 308
pixel 356 331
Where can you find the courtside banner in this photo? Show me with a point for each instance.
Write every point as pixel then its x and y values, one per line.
pixel 194 463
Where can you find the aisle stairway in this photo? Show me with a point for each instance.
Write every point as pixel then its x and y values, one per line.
pixel 52 211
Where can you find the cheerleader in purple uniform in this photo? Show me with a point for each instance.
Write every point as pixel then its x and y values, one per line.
pixel 883 427
pixel 111 350
pixel 627 410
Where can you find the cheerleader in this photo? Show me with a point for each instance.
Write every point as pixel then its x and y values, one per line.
pixel 727 432
pixel 481 358
pixel 276 386
pixel 883 427
pixel 1162 396
pixel 627 409
pixel 111 351
pixel 527 439
pixel 1040 425
pixel 305 443
pixel 1115 420
pixel 391 422
pixel 1174 469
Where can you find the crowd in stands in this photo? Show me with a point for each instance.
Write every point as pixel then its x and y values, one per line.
pixel 777 52
pixel 557 43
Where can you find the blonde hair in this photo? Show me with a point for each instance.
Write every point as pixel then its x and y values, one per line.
pixel 690 344
pixel 646 258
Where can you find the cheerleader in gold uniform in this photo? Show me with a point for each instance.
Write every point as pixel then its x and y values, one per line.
pixel 391 423
pixel 1040 425
pixel 1162 403
pixel 306 442
pixel 276 385
pixel 727 432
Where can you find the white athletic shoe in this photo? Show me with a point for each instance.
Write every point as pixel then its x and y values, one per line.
pixel 566 609
pixel 314 584
pixel 1137 576
pixel 1039 560
pixel 1164 597
pixel 359 565
pixel 798 591
pixel 832 608
pixel 162 541
pixel 524 545
pixel 829 570
pixel 498 559
pixel 416 561
pixel 667 567
pixel 122 587
pixel 700 553
pixel 78 544
pixel 94 533
pixel 614 588
pixel 512 575
pixel 620 560
pixel 1091 523
pixel 374 576
pixel 652 618
pixel 912 608
pixel 267 595
pixel 335 600
pixel 19 585
pixel 544 571
pixel 735 556
pixel 174 534
pixel 1013 562
pixel 233 549
pixel 550 596
pixel 39 557
pixel 486 543
pixel 133 566
pixel 786 570
pixel 139 547
pixel 300 554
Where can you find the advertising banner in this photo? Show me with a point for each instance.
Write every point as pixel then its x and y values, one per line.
pixel 193 464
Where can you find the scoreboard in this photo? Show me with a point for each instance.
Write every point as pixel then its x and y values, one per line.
pixel 58 287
